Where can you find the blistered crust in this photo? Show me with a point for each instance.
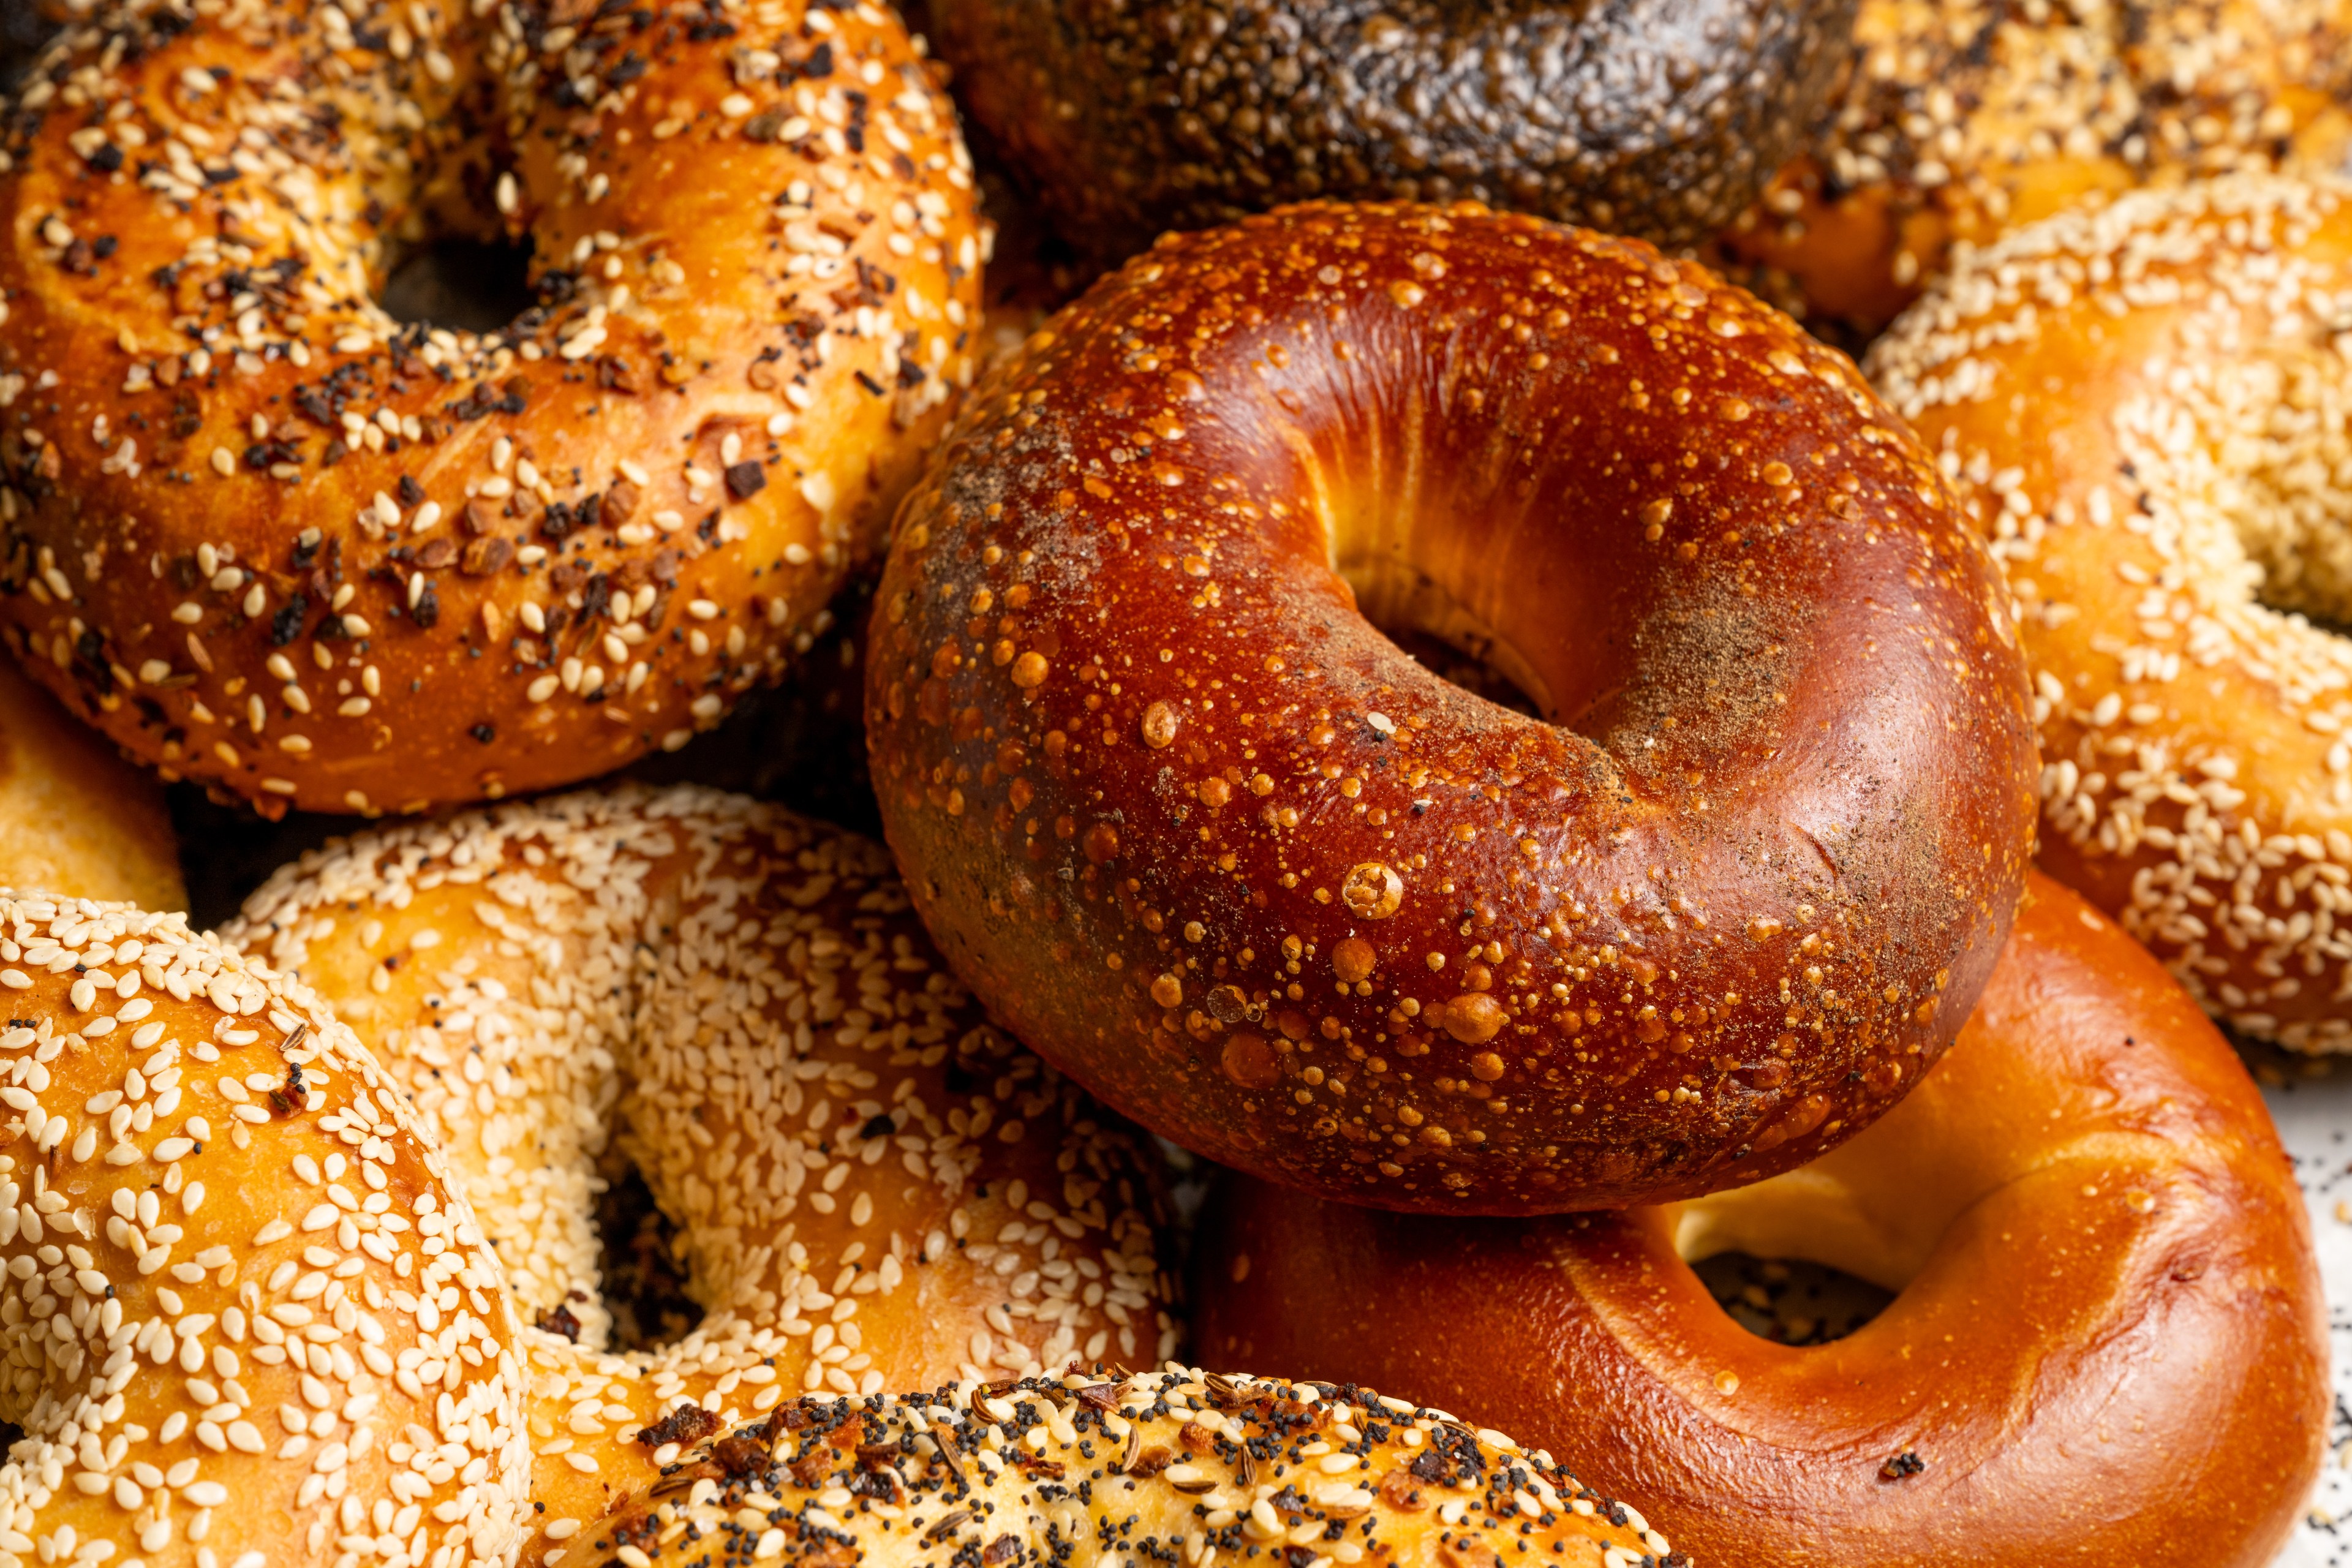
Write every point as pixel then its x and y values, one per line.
pixel 1211 844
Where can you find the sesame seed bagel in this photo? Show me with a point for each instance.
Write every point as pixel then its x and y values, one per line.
pixel 2147 406
pixel 1178 1467
pixel 248 1315
pixel 2108 1305
pixel 1960 118
pixel 1661 118
pixel 874 1188
pixel 1211 844
pixel 275 540
pixel 52 770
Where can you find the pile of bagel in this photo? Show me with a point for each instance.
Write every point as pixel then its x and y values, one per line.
pixel 1515 695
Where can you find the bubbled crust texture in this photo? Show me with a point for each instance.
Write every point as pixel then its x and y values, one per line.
pixel 1960 118
pixel 874 1189
pixel 1657 118
pixel 2116 1311
pixel 271 540
pixel 1216 847
pixel 248 1319
pixel 2197 781
pixel 1173 1466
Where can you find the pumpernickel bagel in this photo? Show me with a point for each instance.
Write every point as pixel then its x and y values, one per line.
pixel 1211 844
pixel 1660 118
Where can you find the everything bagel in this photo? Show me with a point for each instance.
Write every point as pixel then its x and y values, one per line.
pixel 270 538
pixel 2108 1305
pixel 1211 844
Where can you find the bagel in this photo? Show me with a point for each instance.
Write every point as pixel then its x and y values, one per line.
pixel 874 1189
pixel 75 819
pixel 1660 118
pixel 2109 1340
pixel 1176 1466
pixel 1217 848
pixel 2145 404
pixel 1960 118
pixel 271 540
pixel 212 1335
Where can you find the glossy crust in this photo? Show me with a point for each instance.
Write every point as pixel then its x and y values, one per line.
pixel 75 819
pixel 1960 118
pixel 1211 844
pixel 2147 406
pixel 271 540
pixel 245 1303
pixel 1659 118
pixel 1171 1468
pixel 874 1189
pixel 2109 1305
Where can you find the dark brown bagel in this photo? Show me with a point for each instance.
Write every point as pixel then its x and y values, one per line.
pixel 2110 1342
pixel 1661 118
pixel 1160 785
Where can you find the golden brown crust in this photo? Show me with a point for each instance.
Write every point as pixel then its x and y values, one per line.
pixel 874 1189
pixel 1159 788
pixel 1106 1469
pixel 271 540
pixel 1961 119
pixel 245 1309
pixel 2109 1305
pixel 75 819
pixel 2147 406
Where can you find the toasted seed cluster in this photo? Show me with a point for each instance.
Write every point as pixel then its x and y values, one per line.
pixel 1176 1468
pixel 248 1318
pixel 2150 406
pixel 874 1189
pixel 1207 840
pixel 1655 117
pixel 274 540
pixel 1962 118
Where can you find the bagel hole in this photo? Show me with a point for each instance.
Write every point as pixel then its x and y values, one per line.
pixel 643 1261
pixel 1790 1300
pixel 465 285
pixel 1464 667
pixel 1441 634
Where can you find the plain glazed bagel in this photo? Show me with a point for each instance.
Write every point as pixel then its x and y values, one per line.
pixel 1179 1467
pixel 2148 404
pixel 276 542
pixel 1216 847
pixel 2109 1339
pixel 75 819
pixel 1658 117
pixel 247 1316
pixel 1960 118
pixel 874 1189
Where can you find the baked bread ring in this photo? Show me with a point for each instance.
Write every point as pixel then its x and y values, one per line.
pixel 1178 1467
pixel 2145 404
pixel 1960 118
pixel 55 834
pixel 2109 1305
pixel 1212 845
pixel 1656 117
pixel 275 540
pixel 248 1314
pixel 875 1189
